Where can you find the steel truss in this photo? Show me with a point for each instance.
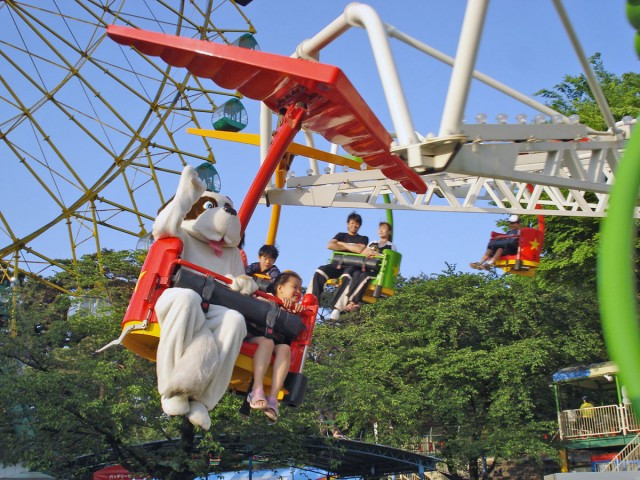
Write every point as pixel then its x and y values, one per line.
pixel 570 177
pixel 468 168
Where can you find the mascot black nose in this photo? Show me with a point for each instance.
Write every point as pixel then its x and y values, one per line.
pixel 229 209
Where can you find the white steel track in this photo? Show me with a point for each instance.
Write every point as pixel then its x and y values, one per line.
pixel 467 167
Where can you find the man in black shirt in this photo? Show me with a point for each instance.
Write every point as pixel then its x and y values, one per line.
pixel 342 242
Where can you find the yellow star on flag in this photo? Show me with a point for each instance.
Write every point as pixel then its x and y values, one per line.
pixel 534 244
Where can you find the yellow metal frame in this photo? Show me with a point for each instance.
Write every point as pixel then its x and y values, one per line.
pixel 368 295
pixel 144 342
pixel 89 205
pixel 528 268
pixel 294 148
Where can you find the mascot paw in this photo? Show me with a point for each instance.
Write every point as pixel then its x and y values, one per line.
pixel 243 284
pixel 199 415
pixel 191 184
pixel 176 405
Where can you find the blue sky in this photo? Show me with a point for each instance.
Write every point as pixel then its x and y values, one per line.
pixel 524 46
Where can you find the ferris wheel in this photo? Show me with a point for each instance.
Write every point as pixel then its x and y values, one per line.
pixel 89 129
pixel 127 113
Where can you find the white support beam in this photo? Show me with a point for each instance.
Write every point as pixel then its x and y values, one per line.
pixel 487 177
pixel 468 167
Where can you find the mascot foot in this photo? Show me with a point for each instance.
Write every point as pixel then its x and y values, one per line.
pixel 176 405
pixel 199 415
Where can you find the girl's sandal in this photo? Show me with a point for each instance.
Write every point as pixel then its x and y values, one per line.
pixel 272 409
pixel 257 400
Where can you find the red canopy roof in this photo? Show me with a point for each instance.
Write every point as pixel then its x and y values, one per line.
pixel 114 472
pixel 335 109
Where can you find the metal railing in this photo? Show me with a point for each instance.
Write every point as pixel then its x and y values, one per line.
pixel 627 460
pixel 630 420
pixel 602 421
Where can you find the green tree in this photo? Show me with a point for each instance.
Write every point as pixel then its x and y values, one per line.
pixel 573 95
pixel 571 243
pixel 67 410
pixel 472 354
pixel 570 252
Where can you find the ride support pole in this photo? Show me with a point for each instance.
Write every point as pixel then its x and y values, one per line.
pixel 286 132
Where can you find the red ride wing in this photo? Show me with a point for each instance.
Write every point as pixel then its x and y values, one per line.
pixel 335 109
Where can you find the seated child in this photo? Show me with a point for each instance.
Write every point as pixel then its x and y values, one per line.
pixel 267 256
pixel 288 288
pixel 500 246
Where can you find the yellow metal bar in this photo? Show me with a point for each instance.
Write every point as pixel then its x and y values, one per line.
pixel 273 224
pixel 97 238
pixel 39 278
pixel 294 148
pixel 74 258
pixel 280 176
pixel 112 227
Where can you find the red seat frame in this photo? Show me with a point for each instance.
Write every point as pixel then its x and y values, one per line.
pixel 155 277
pixel 526 261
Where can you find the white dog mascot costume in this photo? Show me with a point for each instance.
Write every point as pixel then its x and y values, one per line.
pixel 197 351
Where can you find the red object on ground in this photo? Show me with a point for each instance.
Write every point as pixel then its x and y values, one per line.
pixel 114 472
pixel 603 457
pixel 335 108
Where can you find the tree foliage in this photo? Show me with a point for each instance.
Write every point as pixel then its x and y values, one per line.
pixel 471 354
pixel 573 95
pixel 68 410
